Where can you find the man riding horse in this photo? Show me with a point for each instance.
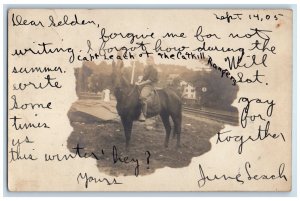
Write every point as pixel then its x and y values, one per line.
pixel 150 77
pixel 163 102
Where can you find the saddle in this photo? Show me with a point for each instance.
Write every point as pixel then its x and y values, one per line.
pixel 151 97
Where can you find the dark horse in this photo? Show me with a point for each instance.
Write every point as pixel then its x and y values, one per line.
pixel 129 106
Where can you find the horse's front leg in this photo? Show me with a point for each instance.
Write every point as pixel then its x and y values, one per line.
pixel 127 125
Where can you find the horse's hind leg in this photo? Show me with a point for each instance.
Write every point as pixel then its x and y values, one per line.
pixel 174 130
pixel 177 127
pixel 166 122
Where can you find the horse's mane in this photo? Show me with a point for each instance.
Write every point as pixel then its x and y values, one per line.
pixel 126 75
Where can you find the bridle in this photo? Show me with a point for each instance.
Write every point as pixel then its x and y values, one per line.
pixel 127 84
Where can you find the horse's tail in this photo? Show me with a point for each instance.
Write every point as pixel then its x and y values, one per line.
pixel 177 122
pixel 175 111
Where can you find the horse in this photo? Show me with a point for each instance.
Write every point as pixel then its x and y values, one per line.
pixel 129 105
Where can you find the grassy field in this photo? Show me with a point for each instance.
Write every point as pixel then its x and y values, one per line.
pixel 147 152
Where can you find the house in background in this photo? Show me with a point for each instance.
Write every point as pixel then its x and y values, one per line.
pixel 188 92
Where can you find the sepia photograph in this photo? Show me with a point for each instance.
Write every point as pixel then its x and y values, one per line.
pixel 170 110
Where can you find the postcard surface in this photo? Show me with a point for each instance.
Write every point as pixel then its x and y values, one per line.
pixel 149 100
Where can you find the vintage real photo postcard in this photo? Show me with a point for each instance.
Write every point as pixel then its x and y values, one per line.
pixel 149 99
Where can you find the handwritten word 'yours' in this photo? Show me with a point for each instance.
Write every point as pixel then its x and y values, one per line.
pixel 90 179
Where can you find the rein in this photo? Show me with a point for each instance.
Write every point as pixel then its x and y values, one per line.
pixel 134 87
pixel 132 90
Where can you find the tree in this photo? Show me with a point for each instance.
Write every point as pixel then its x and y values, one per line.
pixel 220 92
